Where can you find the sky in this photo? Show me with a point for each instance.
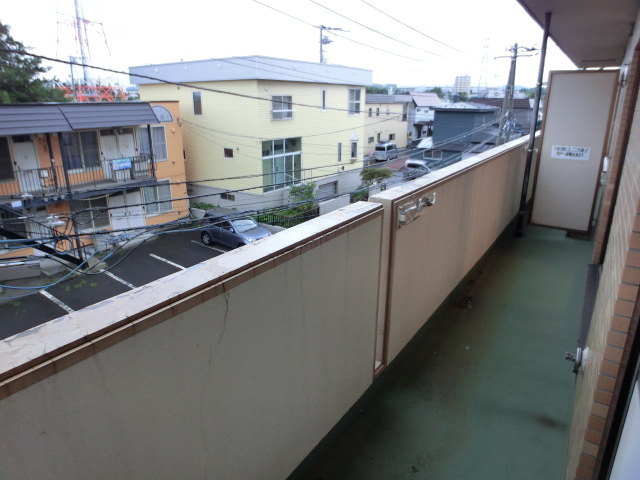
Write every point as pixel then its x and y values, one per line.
pixel 403 42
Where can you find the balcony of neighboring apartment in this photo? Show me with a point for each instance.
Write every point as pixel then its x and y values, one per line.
pixel 53 152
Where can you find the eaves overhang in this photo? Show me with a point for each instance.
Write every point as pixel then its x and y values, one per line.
pixel 592 33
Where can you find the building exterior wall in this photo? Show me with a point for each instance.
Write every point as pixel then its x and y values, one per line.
pixel 618 290
pixel 169 170
pixel 386 122
pixel 240 123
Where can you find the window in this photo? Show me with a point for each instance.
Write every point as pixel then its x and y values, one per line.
pixel 281 107
pixel 197 103
pixel 228 153
pixel 281 163
pixel 378 137
pixel 158 198
pixel 6 163
pixel 92 213
pixel 354 101
pixel 340 151
pixel 371 112
pixel 228 196
pixel 392 136
pixel 370 140
pixel 387 111
pixel 324 99
pixel 80 150
pixel 354 150
pixel 378 112
pixel 159 142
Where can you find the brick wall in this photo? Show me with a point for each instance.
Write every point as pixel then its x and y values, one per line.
pixel 617 292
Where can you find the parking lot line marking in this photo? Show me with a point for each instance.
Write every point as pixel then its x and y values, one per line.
pixel 207 246
pixel 57 301
pixel 167 261
pixel 121 280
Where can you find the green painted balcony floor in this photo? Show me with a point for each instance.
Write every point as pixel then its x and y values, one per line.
pixel 483 392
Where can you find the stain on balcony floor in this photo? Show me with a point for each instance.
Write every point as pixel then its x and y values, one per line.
pixel 483 392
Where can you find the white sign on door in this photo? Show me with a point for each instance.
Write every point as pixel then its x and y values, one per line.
pixel 570 153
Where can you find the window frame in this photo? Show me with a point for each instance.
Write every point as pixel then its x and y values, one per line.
pixel 355 96
pixel 277 158
pixel 228 152
pixel 324 99
pixel 197 104
pixel 143 136
pixel 282 113
pixel 166 205
pixel 9 159
pixel 354 150
pixel 80 152
pixel 105 221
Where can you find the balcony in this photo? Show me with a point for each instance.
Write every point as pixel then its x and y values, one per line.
pixel 419 308
pixel 52 181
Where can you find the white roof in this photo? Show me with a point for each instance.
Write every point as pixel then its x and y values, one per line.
pixel 249 68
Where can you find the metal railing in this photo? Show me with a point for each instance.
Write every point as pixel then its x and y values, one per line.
pixel 52 180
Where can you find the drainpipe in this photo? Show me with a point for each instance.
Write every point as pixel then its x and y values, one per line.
pixel 532 130
pixel 65 170
pixel 53 162
pixel 153 163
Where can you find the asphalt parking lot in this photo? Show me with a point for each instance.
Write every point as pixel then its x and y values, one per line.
pixel 32 305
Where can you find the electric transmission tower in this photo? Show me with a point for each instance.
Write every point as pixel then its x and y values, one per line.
pixel 484 70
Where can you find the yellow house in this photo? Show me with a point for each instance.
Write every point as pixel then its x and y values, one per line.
pixel 73 173
pixel 253 126
pixel 386 119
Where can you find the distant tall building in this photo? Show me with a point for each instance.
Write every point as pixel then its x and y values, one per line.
pixel 462 84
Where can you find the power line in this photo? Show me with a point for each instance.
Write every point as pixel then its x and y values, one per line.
pixel 374 30
pixel 168 82
pixel 409 26
pixel 337 35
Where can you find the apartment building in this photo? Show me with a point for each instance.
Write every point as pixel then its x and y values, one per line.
pixel 386 119
pixel 75 174
pixel 253 126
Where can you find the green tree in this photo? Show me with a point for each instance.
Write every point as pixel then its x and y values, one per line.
pixel 438 91
pixel 374 89
pixel 20 80
pixel 369 176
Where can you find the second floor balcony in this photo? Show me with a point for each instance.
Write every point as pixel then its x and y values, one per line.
pixel 56 182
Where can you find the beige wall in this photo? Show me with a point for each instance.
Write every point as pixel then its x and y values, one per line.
pixel 475 201
pixel 385 124
pixel 254 357
pixel 241 123
pixel 255 354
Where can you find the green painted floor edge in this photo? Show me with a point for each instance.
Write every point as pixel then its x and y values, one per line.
pixel 483 391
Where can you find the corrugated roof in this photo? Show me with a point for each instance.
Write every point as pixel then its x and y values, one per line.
pixel 518 103
pixel 24 119
pixel 385 98
pixel 101 115
pixel 426 99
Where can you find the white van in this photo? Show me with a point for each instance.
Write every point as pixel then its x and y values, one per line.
pixel 385 151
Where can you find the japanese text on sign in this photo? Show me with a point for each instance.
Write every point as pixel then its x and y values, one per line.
pixel 570 153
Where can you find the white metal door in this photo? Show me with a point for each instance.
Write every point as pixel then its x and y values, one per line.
pixel 127 216
pixel 26 158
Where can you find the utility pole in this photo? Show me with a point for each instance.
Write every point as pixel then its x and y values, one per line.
pixel 324 40
pixel 506 115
